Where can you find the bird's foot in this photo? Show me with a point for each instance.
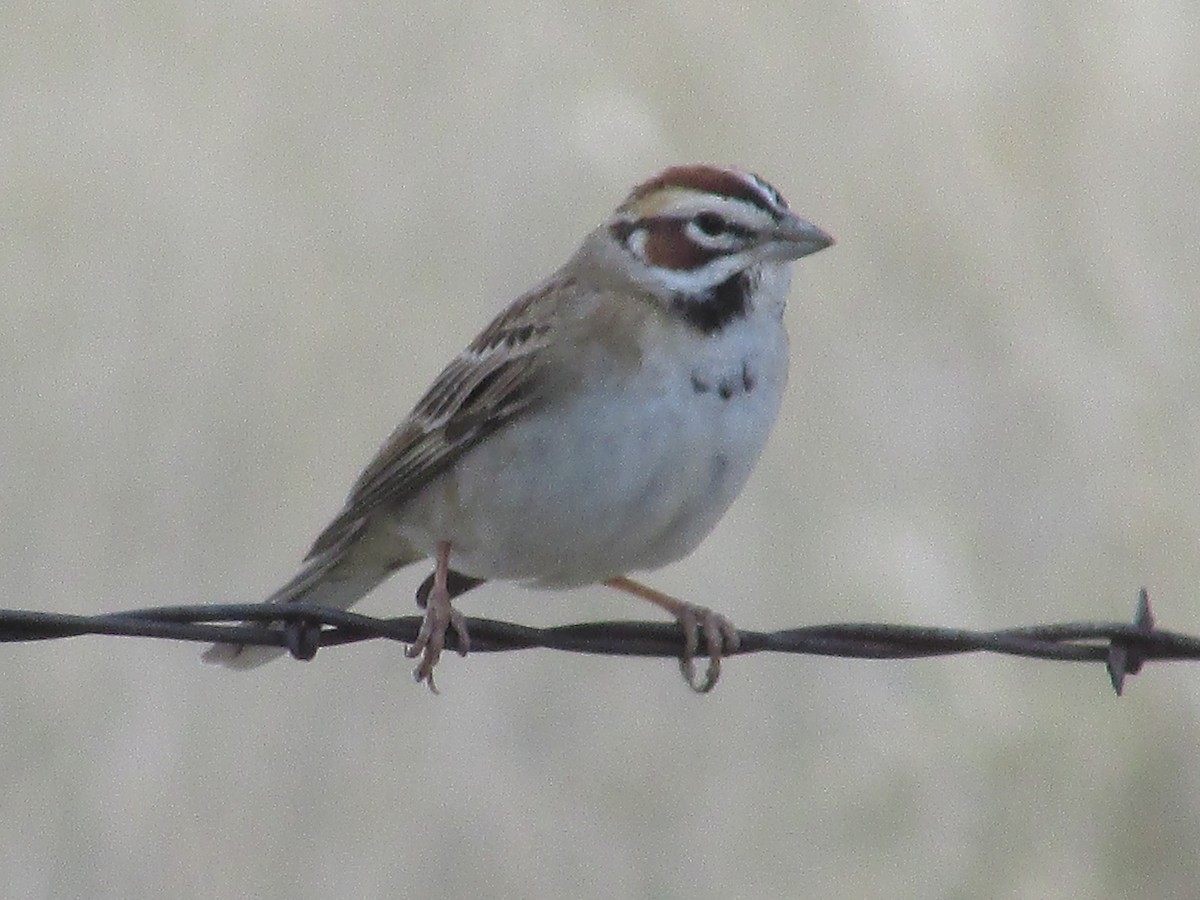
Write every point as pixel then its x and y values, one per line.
pixel 720 638
pixel 431 639
pixel 720 635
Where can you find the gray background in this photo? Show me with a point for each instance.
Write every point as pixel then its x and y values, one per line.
pixel 237 240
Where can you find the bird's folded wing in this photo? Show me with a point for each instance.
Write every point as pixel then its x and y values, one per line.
pixel 495 379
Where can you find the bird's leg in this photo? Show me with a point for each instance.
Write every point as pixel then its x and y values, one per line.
pixel 439 615
pixel 720 635
pixel 457 584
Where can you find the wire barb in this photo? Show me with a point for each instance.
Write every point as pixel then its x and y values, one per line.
pixel 1126 657
pixel 303 628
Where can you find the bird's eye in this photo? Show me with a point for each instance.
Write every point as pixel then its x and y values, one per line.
pixel 711 224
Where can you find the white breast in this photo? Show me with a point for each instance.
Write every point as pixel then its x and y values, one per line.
pixel 618 479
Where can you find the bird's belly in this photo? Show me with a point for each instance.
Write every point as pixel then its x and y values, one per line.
pixel 560 500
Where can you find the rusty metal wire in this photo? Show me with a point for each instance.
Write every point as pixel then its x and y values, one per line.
pixel 302 628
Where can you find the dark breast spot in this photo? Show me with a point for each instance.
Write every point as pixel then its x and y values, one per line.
pixel 727 386
pixel 718 467
pixel 713 310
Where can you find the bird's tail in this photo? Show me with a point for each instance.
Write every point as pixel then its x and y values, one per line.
pixel 337 578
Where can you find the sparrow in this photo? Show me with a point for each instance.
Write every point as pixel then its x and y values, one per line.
pixel 600 425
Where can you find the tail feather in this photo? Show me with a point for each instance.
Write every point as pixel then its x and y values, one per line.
pixel 336 579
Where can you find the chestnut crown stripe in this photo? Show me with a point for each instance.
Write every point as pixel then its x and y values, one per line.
pixel 711 180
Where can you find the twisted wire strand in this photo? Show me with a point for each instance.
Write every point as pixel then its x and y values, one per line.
pixel 303 628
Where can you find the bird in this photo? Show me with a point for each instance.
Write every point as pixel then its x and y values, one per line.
pixel 599 426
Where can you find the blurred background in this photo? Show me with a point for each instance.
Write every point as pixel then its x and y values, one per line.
pixel 238 240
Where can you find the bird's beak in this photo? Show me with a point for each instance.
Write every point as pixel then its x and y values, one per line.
pixel 796 237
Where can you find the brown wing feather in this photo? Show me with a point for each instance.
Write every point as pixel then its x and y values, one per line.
pixel 484 387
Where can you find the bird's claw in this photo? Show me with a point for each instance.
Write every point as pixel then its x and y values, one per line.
pixel 720 638
pixel 431 639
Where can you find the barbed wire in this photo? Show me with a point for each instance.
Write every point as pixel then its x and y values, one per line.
pixel 301 629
